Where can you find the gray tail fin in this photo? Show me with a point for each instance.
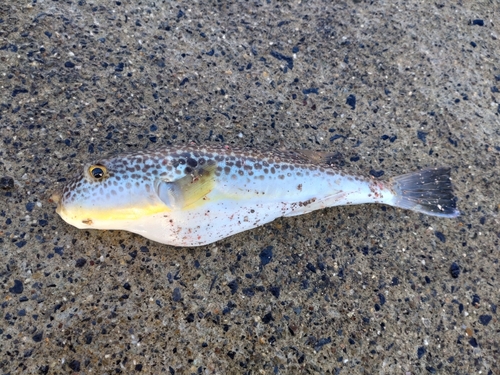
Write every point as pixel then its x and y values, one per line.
pixel 428 191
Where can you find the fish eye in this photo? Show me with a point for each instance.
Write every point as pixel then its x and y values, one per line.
pixel 97 171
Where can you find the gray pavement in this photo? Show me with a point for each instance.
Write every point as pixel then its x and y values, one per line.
pixel 392 86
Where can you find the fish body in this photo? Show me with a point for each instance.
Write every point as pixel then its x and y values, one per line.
pixel 196 195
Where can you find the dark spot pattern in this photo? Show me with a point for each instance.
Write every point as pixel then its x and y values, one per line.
pixel 143 167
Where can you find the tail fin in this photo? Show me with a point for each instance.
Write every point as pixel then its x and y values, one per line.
pixel 428 191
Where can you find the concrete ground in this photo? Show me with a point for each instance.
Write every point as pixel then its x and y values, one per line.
pixel 392 86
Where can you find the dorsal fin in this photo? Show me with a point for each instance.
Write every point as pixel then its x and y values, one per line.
pixel 187 190
pixel 335 159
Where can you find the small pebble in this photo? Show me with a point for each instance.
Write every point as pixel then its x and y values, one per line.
pixel 6 183
pixel 80 262
pixel 280 56
pixel 322 342
pixel 335 137
pixel 266 319
pixel 454 270
pixel 476 300
pixel 266 255
pixel 381 298
pixel 312 90
pixel 75 365
pixel 38 337
pixel 18 91
pixel 377 174
pixel 17 288
pixel 233 285
pixel 275 291
pixel 420 352
pixel 176 295
pixel 351 101
pixel 311 267
pixel 422 136
pixel 441 236
pixel 88 338
pixel 485 319
pixel 473 342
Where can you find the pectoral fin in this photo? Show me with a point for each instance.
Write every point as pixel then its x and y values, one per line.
pixel 187 190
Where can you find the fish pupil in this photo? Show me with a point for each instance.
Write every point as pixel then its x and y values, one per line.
pixel 97 172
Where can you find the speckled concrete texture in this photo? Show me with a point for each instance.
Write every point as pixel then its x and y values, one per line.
pixel 392 86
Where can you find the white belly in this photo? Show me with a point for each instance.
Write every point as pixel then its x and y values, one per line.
pixel 225 213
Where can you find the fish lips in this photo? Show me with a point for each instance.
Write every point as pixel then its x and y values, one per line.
pixel 56 198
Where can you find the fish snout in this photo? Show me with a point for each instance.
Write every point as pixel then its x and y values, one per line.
pixel 56 198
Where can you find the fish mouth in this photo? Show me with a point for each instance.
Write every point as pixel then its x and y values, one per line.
pixel 56 198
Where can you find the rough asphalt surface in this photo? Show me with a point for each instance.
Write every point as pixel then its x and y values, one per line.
pixel 391 86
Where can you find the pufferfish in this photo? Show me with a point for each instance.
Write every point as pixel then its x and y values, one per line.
pixel 196 195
